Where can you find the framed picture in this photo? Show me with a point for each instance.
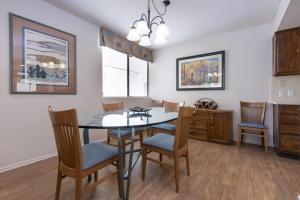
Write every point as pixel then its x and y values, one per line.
pixel 201 72
pixel 43 59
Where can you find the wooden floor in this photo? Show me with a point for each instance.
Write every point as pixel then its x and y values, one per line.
pixel 218 172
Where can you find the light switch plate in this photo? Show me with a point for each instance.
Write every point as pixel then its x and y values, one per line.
pixel 291 92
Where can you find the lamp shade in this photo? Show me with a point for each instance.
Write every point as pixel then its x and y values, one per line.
pixel 160 40
pixel 142 27
pixel 133 35
pixel 162 29
pixel 145 41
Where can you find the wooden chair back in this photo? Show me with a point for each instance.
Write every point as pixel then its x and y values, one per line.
pixel 67 138
pixel 157 103
pixel 182 127
pixel 253 112
pixel 172 106
pixel 111 107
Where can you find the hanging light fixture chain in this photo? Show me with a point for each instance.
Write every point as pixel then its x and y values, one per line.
pixel 161 14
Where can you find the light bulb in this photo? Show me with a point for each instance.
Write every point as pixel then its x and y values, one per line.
pixel 133 35
pixel 142 27
pixel 162 29
pixel 159 39
pixel 145 41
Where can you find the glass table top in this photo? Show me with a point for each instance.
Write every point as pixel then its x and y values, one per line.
pixel 125 119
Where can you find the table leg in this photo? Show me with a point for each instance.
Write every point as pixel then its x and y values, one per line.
pixel 130 162
pixel 86 140
pixel 86 137
pixel 120 150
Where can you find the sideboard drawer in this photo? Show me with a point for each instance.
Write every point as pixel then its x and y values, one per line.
pixel 290 129
pixel 290 109
pixel 290 119
pixel 201 123
pixel 290 144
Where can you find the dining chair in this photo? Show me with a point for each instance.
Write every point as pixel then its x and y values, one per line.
pixel 125 133
pixel 169 127
pixel 156 103
pixel 252 122
pixel 175 146
pixel 78 162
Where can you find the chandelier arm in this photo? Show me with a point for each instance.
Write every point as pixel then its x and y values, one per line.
pixel 144 15
pixel 156 17
pixel 133 24
pixel 153 23
pixel 161 14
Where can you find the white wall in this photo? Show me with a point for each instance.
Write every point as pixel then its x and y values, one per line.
pixel 248 70
pixel 26 132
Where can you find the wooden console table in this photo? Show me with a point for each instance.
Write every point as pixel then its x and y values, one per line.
pixel 212 125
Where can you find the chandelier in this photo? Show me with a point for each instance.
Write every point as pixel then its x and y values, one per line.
pixel 142 28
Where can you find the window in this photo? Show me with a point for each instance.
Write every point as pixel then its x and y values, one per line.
pixel 123 75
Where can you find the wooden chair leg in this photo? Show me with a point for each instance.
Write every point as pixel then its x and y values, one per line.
pixel 95 176
pixel 238 137
pixel 160 158
pixel 108 140
pixel 266 139
pixel 58 185
pixel 144 163
pixel 187 163
pixel 152 132
pixel 176 166
pixel 78 188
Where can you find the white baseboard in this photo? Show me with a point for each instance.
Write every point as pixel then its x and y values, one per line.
pixel 36 159
pixel 27 162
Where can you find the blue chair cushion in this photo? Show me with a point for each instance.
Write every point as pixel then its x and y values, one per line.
pixel 165 126
pixel 252 125
pixel 125 131
pixel 95 153
pixel 162 141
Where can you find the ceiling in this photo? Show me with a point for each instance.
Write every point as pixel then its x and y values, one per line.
pixel 186 19
pixel 291 17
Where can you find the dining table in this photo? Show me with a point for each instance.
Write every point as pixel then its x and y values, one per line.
pixel 120 120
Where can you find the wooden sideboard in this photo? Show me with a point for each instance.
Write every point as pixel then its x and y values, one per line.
pixel 286 52
pixel 287 129
pixel 212 125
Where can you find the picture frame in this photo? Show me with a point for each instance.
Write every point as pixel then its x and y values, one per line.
pixel 201 72
pixel 42 58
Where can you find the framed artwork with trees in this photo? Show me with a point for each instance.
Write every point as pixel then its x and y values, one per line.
pixel 43 58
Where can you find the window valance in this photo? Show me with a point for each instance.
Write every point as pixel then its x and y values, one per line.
pixel 120 43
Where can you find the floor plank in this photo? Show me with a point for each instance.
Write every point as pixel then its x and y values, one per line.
pixel 217 172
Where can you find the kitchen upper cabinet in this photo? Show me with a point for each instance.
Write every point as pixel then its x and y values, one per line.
pixel 286 52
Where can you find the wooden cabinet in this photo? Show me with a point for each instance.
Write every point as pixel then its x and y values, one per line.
pixel 287 129
pixel 212 125
pixel 286 52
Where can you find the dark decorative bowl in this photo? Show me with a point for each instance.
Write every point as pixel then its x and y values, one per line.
pixel 139 109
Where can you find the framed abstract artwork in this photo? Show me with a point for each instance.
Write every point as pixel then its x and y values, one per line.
pixel 43 59
pixel 201 72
